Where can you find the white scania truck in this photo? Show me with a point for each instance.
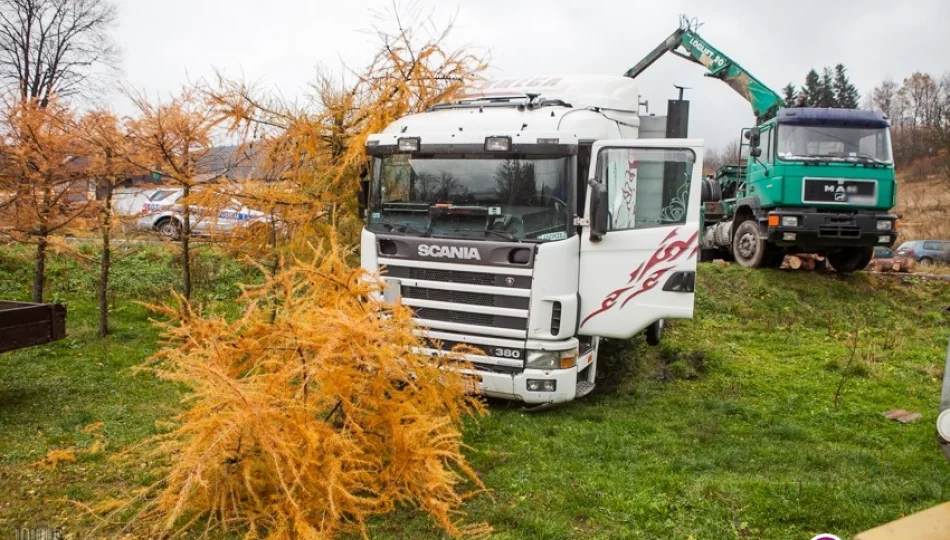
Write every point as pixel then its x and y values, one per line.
pixel 531 218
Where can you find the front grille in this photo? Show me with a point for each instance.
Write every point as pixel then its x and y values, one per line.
pixel 839 191
pixel 839 232
pixel 471 278
pixel 465 297
pixel 455 316
pixel 476 319
pixel 494 351
pixel 505 281
pixel 441 295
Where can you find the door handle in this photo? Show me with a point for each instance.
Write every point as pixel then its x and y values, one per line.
pixel 683 281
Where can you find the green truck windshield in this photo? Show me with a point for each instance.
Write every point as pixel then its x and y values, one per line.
pixel 835 143
pixel 472 197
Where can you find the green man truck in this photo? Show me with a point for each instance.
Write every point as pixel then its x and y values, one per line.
pixel 815 180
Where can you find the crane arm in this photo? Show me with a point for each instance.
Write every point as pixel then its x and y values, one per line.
pixel 765 102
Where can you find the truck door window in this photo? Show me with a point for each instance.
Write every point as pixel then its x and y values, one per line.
pixel 767 145
pixel 646 188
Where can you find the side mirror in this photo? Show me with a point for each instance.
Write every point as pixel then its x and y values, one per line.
pixel 598 212
pixel 755 138
pixel 756 152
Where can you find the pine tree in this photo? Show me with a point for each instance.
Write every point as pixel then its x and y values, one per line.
pixel 826 90
pixel 788 93
pixel 812 88
pixel 846 95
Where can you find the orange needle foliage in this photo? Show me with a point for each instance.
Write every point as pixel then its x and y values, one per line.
pixel 42 189
pixel 311 156
pixel 311 412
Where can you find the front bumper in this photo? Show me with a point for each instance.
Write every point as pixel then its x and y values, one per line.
pixel 570 383
pixel 515 386
pixel 816 230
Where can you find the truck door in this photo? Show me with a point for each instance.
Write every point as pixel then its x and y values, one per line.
pixel 641 267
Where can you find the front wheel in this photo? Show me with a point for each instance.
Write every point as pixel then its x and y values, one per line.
pixel 654 332
pixel 749 248
pixel 850 259
pixel 169 228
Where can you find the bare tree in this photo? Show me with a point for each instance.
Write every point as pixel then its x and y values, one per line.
pixel 884 95
pixel 55 47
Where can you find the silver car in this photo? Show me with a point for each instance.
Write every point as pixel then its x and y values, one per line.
pixel 162 213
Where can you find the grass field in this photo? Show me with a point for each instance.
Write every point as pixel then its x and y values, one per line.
pixel 727 430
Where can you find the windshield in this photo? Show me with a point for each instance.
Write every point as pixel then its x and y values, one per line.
pixel 472 197
pixel 836 143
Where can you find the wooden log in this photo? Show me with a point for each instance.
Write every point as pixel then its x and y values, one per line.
pixel 794 262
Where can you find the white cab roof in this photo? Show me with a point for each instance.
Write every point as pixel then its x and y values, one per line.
pixel 602 91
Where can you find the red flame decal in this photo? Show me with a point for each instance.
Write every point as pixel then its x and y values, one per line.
pixel 647 276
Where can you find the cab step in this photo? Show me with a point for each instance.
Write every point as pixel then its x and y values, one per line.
pixel 583 388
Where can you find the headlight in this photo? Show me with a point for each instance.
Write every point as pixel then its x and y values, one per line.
pixel 884 224
pixel 789 221
pixel 542 360
pixel 408 144
pixel 552 359
pixel 497 144
pixel 541 385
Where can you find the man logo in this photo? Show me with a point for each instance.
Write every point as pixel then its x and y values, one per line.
pixel 841 196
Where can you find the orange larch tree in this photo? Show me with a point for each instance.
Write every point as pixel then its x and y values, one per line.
pixel 112 159
pixel 310 418
pixel 175 138
pixel 45 183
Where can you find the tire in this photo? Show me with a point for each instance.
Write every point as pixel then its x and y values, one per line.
pixel 926 260
pixel 848 260
pixel 654 332
pixel 748 248
pixel 168 228
pixel 711 190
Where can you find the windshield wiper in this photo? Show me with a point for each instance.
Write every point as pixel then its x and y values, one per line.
pixel 869 159
pixel 405 228
pixel 503 234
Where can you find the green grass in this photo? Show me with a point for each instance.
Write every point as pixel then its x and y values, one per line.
pixel 49 394
pixel 727 430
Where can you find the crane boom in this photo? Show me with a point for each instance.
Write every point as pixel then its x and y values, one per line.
pixel 765 102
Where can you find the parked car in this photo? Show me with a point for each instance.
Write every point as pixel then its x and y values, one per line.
pixel 162 214
pixel 926 251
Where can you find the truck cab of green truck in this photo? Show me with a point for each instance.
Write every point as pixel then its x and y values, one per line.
pixel 815 181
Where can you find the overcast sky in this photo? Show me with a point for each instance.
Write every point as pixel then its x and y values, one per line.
pixel 279 43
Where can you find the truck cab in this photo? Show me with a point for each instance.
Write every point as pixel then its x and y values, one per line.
pixel 528 219
pixel 815 180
